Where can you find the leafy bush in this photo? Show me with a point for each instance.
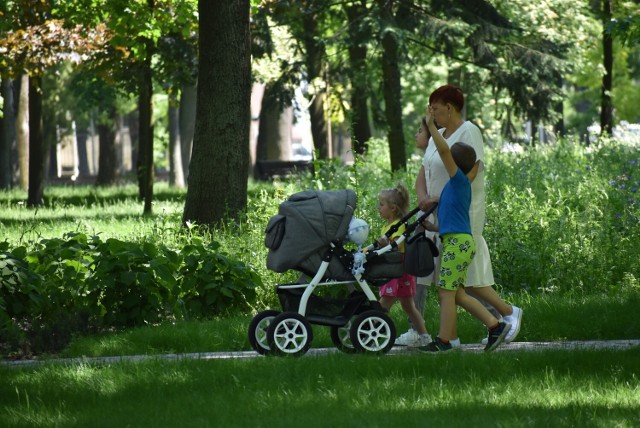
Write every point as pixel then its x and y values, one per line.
pixel 563 217
pixel 19 295
pixel 213 283
pixel 66 286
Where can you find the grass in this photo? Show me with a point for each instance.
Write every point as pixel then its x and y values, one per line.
pixel 546 317
pixel 111 212
pixel 514 389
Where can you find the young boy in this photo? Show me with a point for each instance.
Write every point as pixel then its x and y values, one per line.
pixel 458 245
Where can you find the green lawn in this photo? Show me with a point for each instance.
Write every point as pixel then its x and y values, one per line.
pixel 555 388
pixel 506 389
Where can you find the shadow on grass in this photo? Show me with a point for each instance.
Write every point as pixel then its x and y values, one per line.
pixel 87 196
pixel 551 388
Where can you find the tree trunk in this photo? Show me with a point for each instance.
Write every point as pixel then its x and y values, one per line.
pixel 314 56
pixel 274 129
pixel 188 100
pixel 35 194
pixel 145 109
pixel 23 132
pixel 133 119
pixel 51 164
pixel 50 142
pixel 220 162
pixel 7 135
pixel 392 88
pixel 176 177
pixel 107 164
pixel 558 127
pixel 361 131
pixel 145 155
pixel 83 156
pixel 606 107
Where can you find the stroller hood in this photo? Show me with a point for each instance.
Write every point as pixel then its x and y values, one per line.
pixel 304 228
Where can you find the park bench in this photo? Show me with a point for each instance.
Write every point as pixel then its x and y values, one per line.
pixel 269 169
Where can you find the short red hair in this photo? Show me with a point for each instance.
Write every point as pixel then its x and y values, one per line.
pixel 448 94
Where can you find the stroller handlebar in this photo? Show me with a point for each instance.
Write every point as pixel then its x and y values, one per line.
pixel 409 228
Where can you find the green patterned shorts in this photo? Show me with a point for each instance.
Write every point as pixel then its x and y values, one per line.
pixel 458 249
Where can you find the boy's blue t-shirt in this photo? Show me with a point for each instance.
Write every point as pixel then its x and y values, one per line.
pixel 453 208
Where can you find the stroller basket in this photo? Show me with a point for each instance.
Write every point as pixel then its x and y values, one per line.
pixel 320 306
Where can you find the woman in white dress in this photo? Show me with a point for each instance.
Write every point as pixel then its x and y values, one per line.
pixel 447 103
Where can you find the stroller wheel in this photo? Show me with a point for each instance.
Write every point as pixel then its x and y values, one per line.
pixel 289 334
pixel 341 338
pixel 373 332
pixel 258 331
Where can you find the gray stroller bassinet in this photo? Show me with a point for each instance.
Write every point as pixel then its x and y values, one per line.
pixel 308 235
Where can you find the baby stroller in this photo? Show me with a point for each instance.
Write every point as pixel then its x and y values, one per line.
pixel 308 235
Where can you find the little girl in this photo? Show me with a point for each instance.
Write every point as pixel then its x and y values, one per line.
pixel 393 204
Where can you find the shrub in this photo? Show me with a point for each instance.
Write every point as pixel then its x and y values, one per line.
pixel 63 287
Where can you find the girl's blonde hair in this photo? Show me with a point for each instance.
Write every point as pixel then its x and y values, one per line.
pixel 397 197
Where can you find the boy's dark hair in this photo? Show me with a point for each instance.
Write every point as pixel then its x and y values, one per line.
pixel 464 155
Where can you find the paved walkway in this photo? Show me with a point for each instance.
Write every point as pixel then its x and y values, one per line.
pixel 474 347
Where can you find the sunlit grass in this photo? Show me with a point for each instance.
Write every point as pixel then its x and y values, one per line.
pixel 552 388
pixel 549 317
pixel 110 212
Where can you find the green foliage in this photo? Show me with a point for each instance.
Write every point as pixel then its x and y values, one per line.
pixel 212 283
pixel 562 218
pixel 626 29
pixel 79 283
pixel 19 292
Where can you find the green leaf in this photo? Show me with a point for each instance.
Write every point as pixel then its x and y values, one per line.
pixel 127 278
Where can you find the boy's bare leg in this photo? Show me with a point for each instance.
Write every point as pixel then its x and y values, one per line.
pixel 448 313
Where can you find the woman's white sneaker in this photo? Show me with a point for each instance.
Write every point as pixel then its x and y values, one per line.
pixel 515 319
pixel 408 338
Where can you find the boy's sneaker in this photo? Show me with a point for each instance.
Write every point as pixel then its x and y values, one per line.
pixel 515 319
pixel 455 343
pixel 436 346
pixel 497 335
pixel 408 338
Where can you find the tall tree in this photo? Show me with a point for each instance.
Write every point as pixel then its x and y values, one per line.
pixel 35 193
pixel 274 129
pixel 145 167
pixel 146 37
pixel 359 34
pixel 315 54
pixel 392 85
pixel 36 42
pixel 7 134
pixel 606 103
pixel 305 20
pixel 22 134
pixel 176 175
pixel 187 117
pixel 220 160
pixel 107 131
